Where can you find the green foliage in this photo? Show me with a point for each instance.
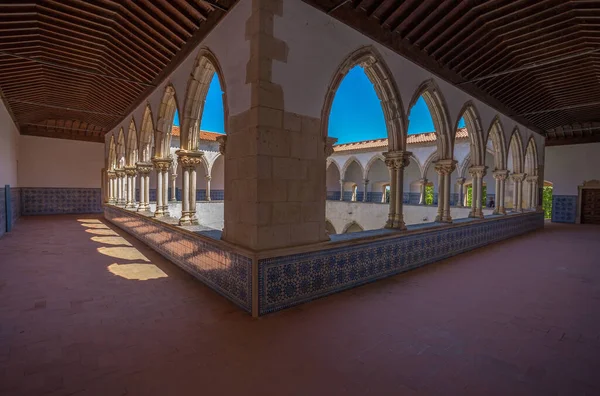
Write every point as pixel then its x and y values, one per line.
pixel 547 202
pixel 429 195
pixel 387 194
pixel 484 197
pixel 470 196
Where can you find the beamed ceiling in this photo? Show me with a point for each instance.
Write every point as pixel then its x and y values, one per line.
pixel 536 60
pixel 73 69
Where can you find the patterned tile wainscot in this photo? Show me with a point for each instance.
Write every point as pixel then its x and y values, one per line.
pixel 564 208
pixel 42 201
pixel 16 204
pixel 227 272
pixel 2 210
pixel 291 280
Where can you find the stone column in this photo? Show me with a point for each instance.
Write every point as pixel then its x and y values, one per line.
pixel 144 170
pixel 189 160
pixel 478 173
pixel 531 202
pixel 130 171
pixel 422 186
pixel 518 178
pixel 500 176
pixel 111 176
pixel 120 185
pixel 341 189
pixel 461 183
pixel 396 161
pixel 208 179
pixel 162 184
pixel 366 184
pixel 444 169
pixel 173 187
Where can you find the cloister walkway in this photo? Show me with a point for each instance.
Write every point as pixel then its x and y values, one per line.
pixel 87 310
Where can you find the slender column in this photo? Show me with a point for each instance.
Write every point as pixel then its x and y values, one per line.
pixel 120 176
pixel 112 177
pixel 518 178
pixel 444 169
pixel 461 183
pixel 366 184
pixel 422 185
pixel 478 173
pixel 189 160
pixel 532 180
pixel 162 166
pixel 144 170
pixel 500 177
pixel 341 189
pixel 396 161
pixel 130 171
pixel 173 187
pixel 208 179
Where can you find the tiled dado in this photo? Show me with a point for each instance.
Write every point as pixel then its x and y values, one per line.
pixel 2 210
pixel 228 273
pixel 41 201
pixel 15 200
pixel 564 208
pixel 295 279
pixel 13 212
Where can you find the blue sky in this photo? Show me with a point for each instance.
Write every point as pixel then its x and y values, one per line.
pixel 356 113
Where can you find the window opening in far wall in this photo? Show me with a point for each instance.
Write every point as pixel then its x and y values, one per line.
pixel 429 194
pixel 483 196
pixel 386 194
pixel 547 199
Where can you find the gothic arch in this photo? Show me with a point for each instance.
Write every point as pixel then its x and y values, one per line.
pixel 120 149
pixel 431 159
pixel 205 67
pixel 348 163
pixel 439 114
pixel 353 226
pixel 164 124
pixel 531 158
pixel 385 87
pixel 496 134
pixel 112 154
pixel 331 161
pixel 516 149
pixel 329 227
pixel 146 138
pixel 473 124
pixel 132 146
pixel 371 162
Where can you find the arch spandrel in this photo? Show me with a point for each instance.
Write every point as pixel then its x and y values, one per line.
pixel 476 139
pixel 164 124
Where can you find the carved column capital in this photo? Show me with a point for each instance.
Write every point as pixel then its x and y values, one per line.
pixel 329 143
pixel 460 181
pixel 111 174
pixel 478 171
pixel 531 179
pixel 120 173
pixel 445 167
pixel 222 140
pixel 190 159
pixel 501 174
pixel 131 171
pixel 162 164
pixel 208 177
pixel 518 177
pixel 397 159
pixel 144 168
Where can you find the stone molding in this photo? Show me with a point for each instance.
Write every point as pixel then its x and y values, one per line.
pixel 144 168
pixel 329 142
pixel 162 164
pixel 478 171
pixel 222 140
pixel 500 174
pixel 460 181
pixel 397 159
pixel 131 171
pixel 189 159
pixel 518 177
pixel 445 166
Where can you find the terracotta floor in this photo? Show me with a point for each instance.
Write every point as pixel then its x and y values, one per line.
pixel 521 317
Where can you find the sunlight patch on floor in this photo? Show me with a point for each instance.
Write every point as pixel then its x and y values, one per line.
pixel 137 271
pixel 101 232
pixel 94 225
pixel 111 240
pixel 95 221
pixel 125 253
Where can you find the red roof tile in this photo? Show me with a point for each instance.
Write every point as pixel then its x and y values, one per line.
pixel 427 137
pixel 204 135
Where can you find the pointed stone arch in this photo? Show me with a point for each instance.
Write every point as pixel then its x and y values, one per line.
pixel 164 124
pixel 204 69
pixel 146 135
pixel 329 227
pixel 476 139
pixel 385 87
pixel 373 159
pixel 515 149
pixel 349 162
pixel 439 114
pixel 353 226
pixel 112 154
pixel 332 161
pixel 132 144
pixel 430 160
pixel 531 158
pixel 496 135
pixel 120 149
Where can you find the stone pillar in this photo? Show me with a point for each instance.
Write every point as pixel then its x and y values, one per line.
pixel 478 173
pixel 189 160
pixel 111 176
pixel 461 197
pixel 144 170
pixel 162 184
pixel 422 186
pixel 500 176
pixel 531 201
pixel 444 169
pixel 396 161
pixel 130 171
pixel 518 178
pixel 120 185
pixel 173 187
pixel 341 189
pixel 366 184
pixel 208 179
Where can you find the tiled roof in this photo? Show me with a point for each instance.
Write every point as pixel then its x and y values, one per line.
pixel 204 135
pixel 427 137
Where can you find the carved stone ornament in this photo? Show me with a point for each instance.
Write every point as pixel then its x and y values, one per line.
pixel 445 167
pixel 222 140
pixel 329 142
pixel 518 177
pixel 500 175
pixel 111 174
pixel 397 159
pixel 478 171
pixel 131 171
pixel 162 164
pixel 144 168
pixel 460 181
pixel 189 159
pixel 120 172
pixel 591 184
pixel 532 179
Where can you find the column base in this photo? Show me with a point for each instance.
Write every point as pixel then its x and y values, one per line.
pixel 121 203
pixel 444 219
pixel 112 201
pixel 499 211
pixel 478 214
pixel 396 224
pixel 130 205
pixel 188 218
pixel 162 212
pixel 143 208
pixel 173 200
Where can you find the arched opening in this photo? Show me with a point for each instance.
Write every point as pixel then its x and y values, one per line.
pixel 146 145
pixel 412 183
pixel 132 145
pixel 548 191
pixel 120 150
pixel 332 178
pixel 352 227
pixel 164 126
pixel 353 181
pixel 329 228
pixel 430 182
pixel 514 164
pixel 378 180
pixel 217 182
pixel 530 192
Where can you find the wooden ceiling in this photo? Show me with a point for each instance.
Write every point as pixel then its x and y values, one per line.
pixel 536 60
pixel 73 69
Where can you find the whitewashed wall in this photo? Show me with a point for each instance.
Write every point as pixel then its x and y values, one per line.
pixel 9 148
pixel 568 166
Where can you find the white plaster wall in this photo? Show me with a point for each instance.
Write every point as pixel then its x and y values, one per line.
pixel 372 216
pixel 317 45
pixel 568 166
pixel 9 148
pixel 46 162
